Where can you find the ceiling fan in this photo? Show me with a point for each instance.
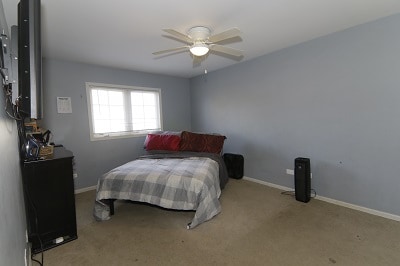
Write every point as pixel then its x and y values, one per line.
pixel 200 41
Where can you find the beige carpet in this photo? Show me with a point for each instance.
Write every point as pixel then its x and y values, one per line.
pixel 257 226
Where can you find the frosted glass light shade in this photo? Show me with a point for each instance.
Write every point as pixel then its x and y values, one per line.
pixel 199 49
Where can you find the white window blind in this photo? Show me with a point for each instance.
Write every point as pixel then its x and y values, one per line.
pixel 122 111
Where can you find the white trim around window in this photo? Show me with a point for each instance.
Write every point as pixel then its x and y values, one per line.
pixel 119 111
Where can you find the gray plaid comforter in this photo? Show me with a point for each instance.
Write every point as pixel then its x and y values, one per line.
pixel 175 183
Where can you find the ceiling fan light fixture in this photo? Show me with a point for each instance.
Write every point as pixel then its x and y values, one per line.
pixel 199 49
pixel 200 41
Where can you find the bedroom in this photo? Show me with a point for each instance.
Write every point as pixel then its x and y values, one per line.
pixel 333 99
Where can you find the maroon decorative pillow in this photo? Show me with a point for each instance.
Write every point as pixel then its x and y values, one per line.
pixel 162 142
pixel 201 142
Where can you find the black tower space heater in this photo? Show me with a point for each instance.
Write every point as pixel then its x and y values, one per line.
pixel 302 179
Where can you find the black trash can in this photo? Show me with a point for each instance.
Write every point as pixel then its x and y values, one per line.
pixel 234 164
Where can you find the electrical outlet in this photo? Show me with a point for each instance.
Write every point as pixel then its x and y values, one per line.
pixel 289 171
pixel 75 175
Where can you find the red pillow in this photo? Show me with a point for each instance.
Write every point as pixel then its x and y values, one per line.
pixel 162 142
pixel 201 142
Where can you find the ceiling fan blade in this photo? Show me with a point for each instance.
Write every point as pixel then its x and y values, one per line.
pixel 178 35
pixel 234 32
pixel 197 60
pixel 172 50
pixel 226 50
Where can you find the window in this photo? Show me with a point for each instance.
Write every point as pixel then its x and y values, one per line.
pixel 122 111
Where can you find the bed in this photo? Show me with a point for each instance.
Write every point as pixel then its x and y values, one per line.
pixel 181 171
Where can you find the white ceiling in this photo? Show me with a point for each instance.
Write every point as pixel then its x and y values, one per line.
pixel 124 33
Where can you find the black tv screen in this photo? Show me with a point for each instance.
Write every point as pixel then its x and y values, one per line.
pixel 3 46
pixel 29 59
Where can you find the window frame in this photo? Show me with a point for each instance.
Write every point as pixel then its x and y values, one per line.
pixel 126 90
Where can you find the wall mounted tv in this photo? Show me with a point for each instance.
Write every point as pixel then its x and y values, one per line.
pixel 29 59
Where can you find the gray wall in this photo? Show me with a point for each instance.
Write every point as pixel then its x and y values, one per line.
pixel 93 158
pixel 12 218
pixel 334 99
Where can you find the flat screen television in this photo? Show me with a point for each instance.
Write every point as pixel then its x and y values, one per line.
pixel 29 59
pixel 1 57
pixel 3 45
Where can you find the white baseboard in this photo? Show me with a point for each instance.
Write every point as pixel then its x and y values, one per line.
pixel 267 183
pixel 85 189
pixel 333 201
